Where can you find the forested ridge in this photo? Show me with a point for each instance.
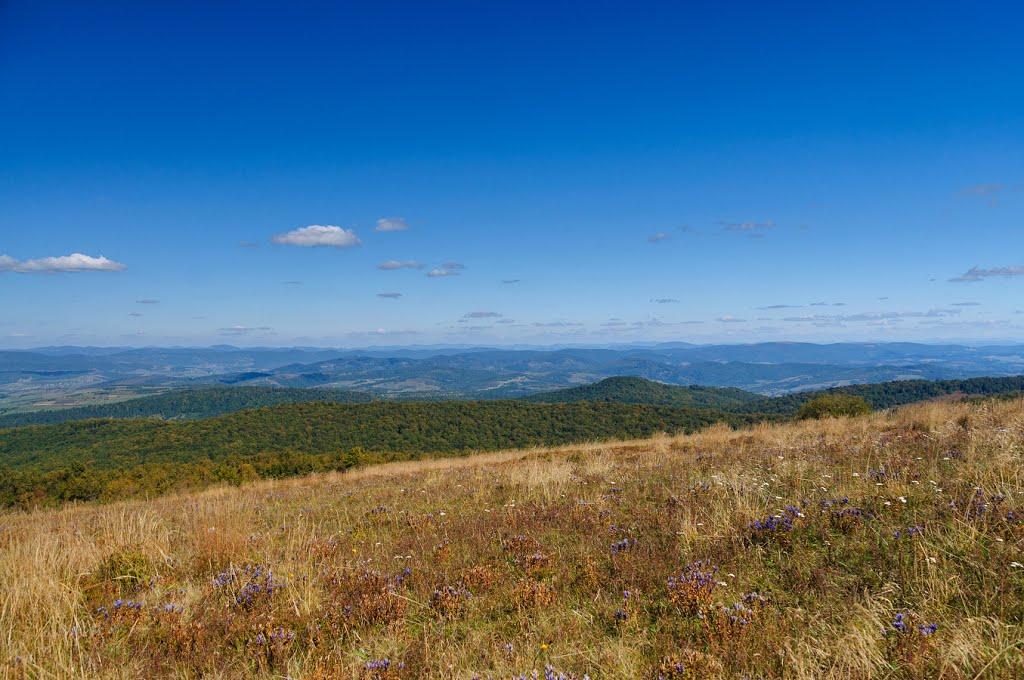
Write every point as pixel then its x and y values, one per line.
pixel 896 393
pixel 92 459
pixel 121 457
pixel 633 390
pixel 190 403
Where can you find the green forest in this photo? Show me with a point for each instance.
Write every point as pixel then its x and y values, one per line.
pixel 199 402
pixel 105 459
pixel 176 442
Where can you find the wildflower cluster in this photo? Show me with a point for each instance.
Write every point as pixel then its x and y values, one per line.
pixel 692 589
pixel 742 613
pixel 909 532
pixel 363 597
pixel 449 600
pixel 623 545
pixel 382 669
pixel 120 609
pixel 622 613
pixel 978 504
pixel 550 673
pixel 902 625
pixel 774 525
pixel 257 584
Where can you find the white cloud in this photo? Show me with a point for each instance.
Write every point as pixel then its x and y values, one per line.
pixel 658 237
pixel 446 269
pixel 979 274
pixel 391 224
pixel 317 235
pixel 557 324
pixel 872 316
pixel 729 319
pixel 392 265
pixel 75 262
pixel 243 330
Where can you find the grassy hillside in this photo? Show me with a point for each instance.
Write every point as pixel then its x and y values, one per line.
pixel 203 402
pixel 888 546
pixel 106 459
pixel 630 390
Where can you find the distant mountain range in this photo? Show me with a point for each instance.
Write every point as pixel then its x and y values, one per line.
pixel 207 402
pixel 70 377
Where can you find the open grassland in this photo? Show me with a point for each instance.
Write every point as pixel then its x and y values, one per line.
pixel 884 546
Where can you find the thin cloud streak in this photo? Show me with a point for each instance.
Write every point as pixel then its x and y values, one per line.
pixel 66 264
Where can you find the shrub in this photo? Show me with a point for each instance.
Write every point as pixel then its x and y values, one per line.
pixel 834 406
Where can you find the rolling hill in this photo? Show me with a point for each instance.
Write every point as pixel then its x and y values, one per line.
pixel 628 390
pixel 91 459
pixel 632 390
pixel 887 546
pixel 200 402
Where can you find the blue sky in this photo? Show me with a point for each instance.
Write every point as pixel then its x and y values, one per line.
pixel 579 172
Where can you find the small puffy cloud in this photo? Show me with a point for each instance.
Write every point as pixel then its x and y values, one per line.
pixel 730 319
pixel 391 224
pixel 392 265
pixel 389 296
pixel 979 274
pixel 75 262
pixel 665 301
pixel 659 237
pixel 147 301
pixel 481 315
pixel 446 269
pixel 317 235
pixel 556 324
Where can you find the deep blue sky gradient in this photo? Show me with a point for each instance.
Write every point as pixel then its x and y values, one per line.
pixel 870 150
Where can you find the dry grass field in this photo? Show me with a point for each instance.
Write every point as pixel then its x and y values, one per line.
pixel 887 546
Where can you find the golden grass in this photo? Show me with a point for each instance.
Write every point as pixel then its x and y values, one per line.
pixel 522 559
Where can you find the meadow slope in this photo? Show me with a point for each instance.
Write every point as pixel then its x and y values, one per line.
pixel 890 545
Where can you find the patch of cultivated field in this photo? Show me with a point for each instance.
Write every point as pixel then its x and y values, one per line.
pixel 884 546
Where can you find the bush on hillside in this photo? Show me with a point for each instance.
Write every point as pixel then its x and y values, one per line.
pixel 834 406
